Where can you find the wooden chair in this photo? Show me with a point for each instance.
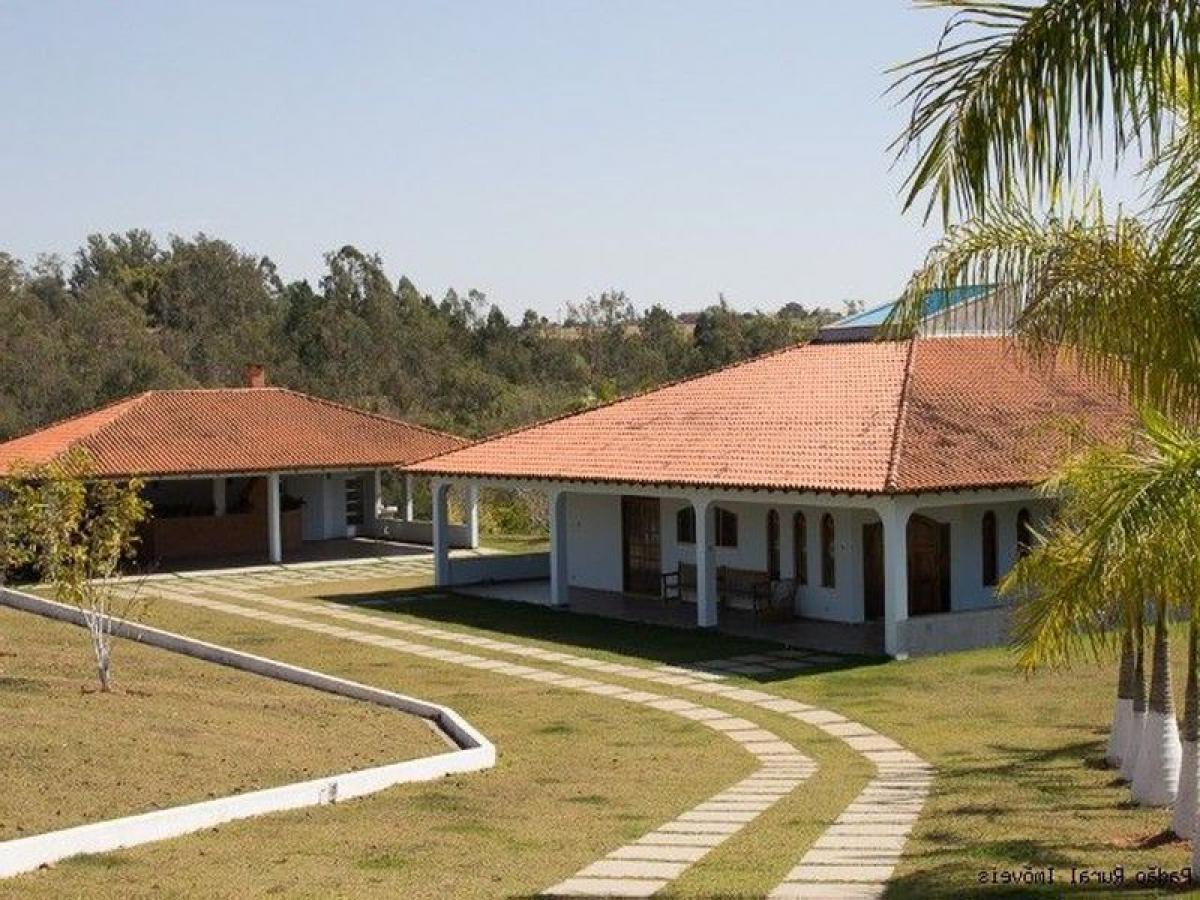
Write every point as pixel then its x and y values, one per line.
pixel 774 600
pixel 671 587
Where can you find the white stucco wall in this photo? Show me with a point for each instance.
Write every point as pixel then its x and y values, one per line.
pixel 310 489
pixel 967 590
pixel 842 603
pixel 594 541
pixel 324 496
pixel 594 548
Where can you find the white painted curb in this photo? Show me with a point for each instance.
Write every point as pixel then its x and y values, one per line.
pixel 475 753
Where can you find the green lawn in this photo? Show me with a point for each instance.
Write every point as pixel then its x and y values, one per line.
pixel 1020 759
pixel 516 543
pixel 1019 778
pixel 175 730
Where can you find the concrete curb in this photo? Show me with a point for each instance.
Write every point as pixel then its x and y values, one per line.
pixel 475 753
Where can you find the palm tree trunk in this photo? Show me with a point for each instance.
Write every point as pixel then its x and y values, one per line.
pixel 1124 709
pixel 1183 821
pixel 1156 778
pixel 1137 721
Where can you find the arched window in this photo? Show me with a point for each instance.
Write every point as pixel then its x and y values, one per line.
pixel 800 547
pixel 685 525
pixel 828 559
pixel 727 527
pixel 1024 533
pixel 990 548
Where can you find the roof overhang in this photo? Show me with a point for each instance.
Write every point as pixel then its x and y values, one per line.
pixel 949 496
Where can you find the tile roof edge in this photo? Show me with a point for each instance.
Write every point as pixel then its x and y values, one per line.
pixel 891 482
pixel 509 432
pixel 363 412
pixel 132 400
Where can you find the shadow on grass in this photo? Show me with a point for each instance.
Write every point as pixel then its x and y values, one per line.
pixel 955 863
pixel 655 643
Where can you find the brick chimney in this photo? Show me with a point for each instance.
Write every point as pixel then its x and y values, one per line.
pixel 256 376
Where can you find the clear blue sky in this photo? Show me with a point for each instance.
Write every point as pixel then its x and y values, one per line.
pixel 538 151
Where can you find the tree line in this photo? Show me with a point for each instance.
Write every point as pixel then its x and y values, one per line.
pixel 127 313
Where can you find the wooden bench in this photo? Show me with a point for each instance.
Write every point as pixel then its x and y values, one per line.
pixel 773 600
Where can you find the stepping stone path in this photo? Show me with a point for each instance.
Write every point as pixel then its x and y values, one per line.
pixel 638 869
pixel 854 858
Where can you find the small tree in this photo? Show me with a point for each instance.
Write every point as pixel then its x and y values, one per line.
pixel 75 530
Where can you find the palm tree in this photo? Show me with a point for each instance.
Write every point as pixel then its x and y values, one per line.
pixel 1156 776
pixel 1123 712
pixel 1009 113
pixel 1183 822
pixel 1129 523
pixel 1137 722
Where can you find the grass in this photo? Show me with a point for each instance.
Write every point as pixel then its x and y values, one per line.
pixel 1020 781
pixel 516 543
pixel 490 834
pixel 175 730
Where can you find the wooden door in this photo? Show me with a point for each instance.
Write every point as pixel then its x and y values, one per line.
pixel 928 566
pixel 773 545
pixel 872 534
pixel 641 544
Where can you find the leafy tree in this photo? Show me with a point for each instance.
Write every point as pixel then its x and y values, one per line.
pixel 131 263
pixel 76 531
pixel 219 309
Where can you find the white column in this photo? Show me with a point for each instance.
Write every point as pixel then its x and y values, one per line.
pixel 706 570
pixel 895 514
pixel 219 504
pixel 408 498
pixel 441 533
pixel 274 525
pixel 560 587
pixel 378 494
pixel 473 516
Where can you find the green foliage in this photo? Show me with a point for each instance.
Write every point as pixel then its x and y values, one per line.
pixel 131 314
pixel 1127 533
pixel 513 512
pixel 75 531
pixel 1009 113
pixel 1123 292
pixel 1019 98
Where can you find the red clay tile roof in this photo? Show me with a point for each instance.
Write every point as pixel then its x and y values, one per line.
pixel 230 430
pixel 896 417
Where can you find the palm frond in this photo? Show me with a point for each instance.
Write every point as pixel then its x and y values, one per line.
pixel 1022 96
pixel 1123 294
pixel 1127 532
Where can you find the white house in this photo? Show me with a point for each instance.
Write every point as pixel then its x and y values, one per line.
pixel 252 472
pixel 855 483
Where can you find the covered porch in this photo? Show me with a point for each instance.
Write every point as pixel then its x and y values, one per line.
pixel 293 516
pixel 870 574
pixel 864 639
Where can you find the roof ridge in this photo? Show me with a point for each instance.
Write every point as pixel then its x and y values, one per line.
pixel 518 429
pixel 363 412
pixel 892 479
pixel 246 389
pixel 135 403
pixel 83 414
